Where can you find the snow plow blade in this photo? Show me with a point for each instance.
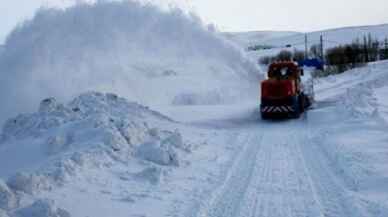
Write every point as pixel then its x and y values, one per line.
pixel 280 108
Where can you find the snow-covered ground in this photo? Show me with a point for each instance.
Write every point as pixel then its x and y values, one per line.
pixel 101 155
pixel 166 143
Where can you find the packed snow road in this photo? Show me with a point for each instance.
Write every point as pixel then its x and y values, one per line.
pixel 279 170
pixel 279 173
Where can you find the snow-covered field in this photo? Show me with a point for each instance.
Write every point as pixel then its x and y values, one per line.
pixel 279 40
pixel 169 141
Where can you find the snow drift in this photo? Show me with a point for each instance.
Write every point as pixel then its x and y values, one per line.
pixel 136 50
pixel 49 148
pixel 92 121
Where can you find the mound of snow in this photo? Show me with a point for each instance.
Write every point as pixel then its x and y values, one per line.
pixel 26 183
pixel 7 197
pixel 49 149
pixel 3 213
pixel 137 50
pixel 93 109
pixel 91 130
pixel 42 208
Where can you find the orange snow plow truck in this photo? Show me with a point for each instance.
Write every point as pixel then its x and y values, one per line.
pixel 283 95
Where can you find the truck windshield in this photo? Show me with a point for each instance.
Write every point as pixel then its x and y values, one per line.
pixel 280 73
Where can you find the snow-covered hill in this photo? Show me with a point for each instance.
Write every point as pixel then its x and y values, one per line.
pixel 136 50
pixel 332 37
pixel 246 39
pixel 294 40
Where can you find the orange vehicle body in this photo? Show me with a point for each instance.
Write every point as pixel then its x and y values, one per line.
pixel 281 93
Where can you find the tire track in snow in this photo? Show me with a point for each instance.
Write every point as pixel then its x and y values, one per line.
pixel 276 175
pixel 266 180
pixel 280 173
pixel 227 198
pixel 335 198
pixel 279 187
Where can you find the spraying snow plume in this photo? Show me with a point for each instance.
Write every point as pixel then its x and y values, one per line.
pixel 137 50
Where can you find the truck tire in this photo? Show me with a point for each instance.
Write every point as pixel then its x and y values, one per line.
pixel 302 102
pixel 297 108
pixel 264 116
pixel 307 102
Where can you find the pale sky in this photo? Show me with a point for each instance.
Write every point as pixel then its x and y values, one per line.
pixel 243 15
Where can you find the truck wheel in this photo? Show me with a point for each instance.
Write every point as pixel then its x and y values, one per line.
pixel 296 114
pixel 307 102
pixel 297 109
pixel 302 103
pixel 264 116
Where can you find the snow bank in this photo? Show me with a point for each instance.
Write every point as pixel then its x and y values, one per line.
pixel 42 208
pixel 93 132
pixel 136 50
pixel 356 143
pixel 3 213
pixel 359 101
pixel 7 197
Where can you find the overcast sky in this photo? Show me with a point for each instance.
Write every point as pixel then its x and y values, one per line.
pixel 244 15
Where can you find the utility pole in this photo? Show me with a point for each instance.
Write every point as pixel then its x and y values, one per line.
pixel 385 56
pixel 321 47
pixel 306 51
pixel 386 43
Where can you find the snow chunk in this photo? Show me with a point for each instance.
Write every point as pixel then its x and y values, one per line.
pixel 56 144
pixel 42 208
pixel 50 115
pixel 152 175
pixel 26 183
pixel 134 133
pixel 359 101
pixel 175 140
pixel 7 197
pixel 3 213
pixel 49 105
pixel 158 153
